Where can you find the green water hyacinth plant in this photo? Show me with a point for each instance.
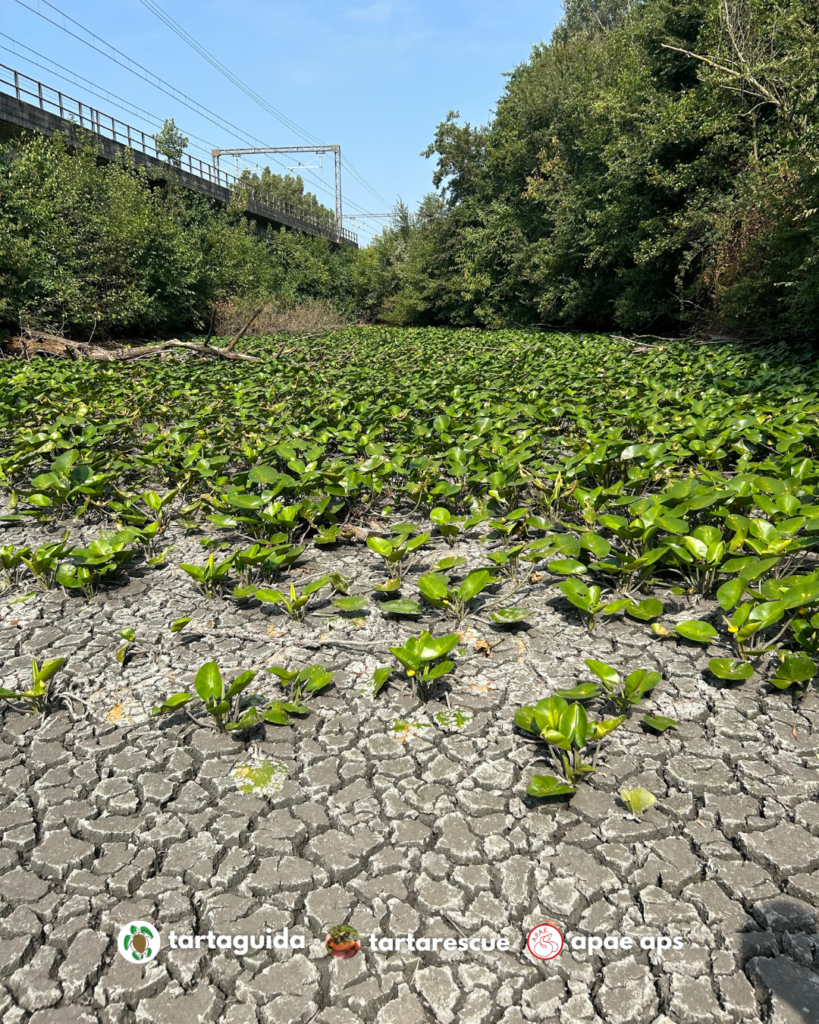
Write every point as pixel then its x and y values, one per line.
pixel 105 556
pixel 794 671
pixel 622 694
pixel 45 561
pixel 294 603
pixel 210 577
pixel 43 693
pixel 12 565
pixel 422 657
pixel 220 702
pixel 589 601
pixel 70 485
pixel 454 600
pixel 565 727
pixel 148 518
pixel 296 683
pixel 397 554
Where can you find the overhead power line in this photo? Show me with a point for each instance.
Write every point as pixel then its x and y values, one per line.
pixel 183 34
pixel 67 75
pixel 123 60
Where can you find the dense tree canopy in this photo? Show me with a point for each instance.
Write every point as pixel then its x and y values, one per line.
pixel 654 167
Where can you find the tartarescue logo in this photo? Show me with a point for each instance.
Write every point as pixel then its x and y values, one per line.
pixel 138 942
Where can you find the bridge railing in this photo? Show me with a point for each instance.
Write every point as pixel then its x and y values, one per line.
pixel 75 111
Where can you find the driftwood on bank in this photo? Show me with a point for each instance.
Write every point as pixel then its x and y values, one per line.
pixel 35 343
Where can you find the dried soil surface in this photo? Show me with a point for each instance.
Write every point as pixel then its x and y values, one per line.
pixel 113 817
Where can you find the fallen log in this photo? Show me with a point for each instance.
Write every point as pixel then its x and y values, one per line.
pixel 32 343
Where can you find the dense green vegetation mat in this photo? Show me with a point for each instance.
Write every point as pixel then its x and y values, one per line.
pixel 611 470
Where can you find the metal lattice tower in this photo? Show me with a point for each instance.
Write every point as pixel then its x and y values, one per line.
pixel 318 150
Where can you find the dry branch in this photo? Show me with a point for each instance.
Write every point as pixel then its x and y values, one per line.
pixel 32 343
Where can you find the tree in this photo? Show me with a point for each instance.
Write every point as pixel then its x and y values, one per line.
pixel 170 142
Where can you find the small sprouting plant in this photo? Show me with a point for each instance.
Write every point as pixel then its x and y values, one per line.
pixel 397 553
pixel 294 604
pixel 148 518
pixel 638 800
pixel 211 577
pixel 45 561
pixel 372 687
pixel 621 693
pixel 455 600
pixel 794 671
pixel 450 527
pixel 104 556
pixel 564 726
pixel 221 702
pixel 421 657
pixel 11 565
pixel 265 561
pixel 507 560
pixel 43 693
pixel 295 683
pixel 589 601
pixel 132 646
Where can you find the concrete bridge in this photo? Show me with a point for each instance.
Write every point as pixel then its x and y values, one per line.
pixel 29 105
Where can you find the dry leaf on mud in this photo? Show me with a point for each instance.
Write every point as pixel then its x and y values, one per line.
pixel 272 631
pixel 116 713
pixel 482 647
pixel 536 577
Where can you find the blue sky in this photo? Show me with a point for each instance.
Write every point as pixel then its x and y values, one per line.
pixel 376 77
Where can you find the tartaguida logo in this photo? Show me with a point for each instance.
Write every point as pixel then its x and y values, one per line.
pixel 138 941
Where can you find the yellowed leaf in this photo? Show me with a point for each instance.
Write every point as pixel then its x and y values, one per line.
pixel 272 631
pixel 116 712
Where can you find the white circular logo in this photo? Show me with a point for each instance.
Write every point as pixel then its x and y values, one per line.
pixel 545 941
pixel 138 941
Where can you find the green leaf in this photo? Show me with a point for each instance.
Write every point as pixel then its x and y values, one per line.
pixel 603 671
pixel 379 545
pixel 400 607
pixel 355 603
pixel 566 567
pixel 696 629
pixel 794 670
pixel 434 586
pixel 659 722
pixel 638 800
pixel 474 583
pixel 525 719
pixel 315 586
pixel 645 610
pixel 269 596
pixel 583 691
pixel 208 682
pixel 180 624
pixel 389 587
pixel 729 593
pixel 548 785
pixel 726 668
pixel 380 677
pixel 240 683
pixel 509 616
pixel 171 704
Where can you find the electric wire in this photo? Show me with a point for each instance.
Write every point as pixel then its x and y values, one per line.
pixel 185 36
pixel 129 64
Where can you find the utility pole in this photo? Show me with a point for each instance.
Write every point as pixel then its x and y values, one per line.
pixel 318 150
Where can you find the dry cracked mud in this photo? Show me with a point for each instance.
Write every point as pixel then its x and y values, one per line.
pixel 110 817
